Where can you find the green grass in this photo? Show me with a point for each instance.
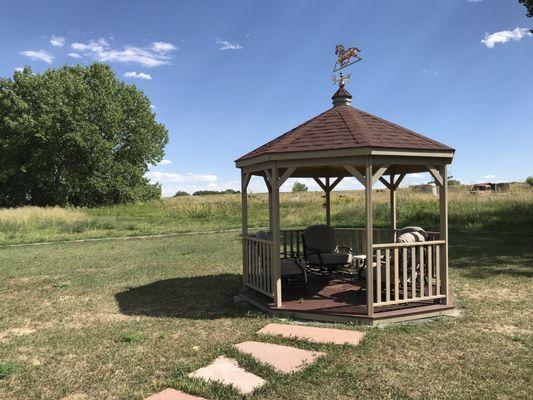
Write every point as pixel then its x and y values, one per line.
pixel 511 212
pixel 138 316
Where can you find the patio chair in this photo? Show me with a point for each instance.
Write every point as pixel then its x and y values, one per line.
pixel 409 234
pixel 320 250
pixel 292 269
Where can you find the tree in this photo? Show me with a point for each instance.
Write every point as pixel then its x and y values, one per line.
pixel 76 135
pixel 528 4
pixel 454 182
pixel 181 193
pixel 529 181
pixel 299 187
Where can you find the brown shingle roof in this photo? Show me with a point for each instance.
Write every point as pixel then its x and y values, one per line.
pixel 346 127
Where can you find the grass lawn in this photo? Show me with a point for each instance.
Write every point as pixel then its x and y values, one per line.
pixel 124 319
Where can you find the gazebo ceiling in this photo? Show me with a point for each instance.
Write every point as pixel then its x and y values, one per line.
pixel 345 131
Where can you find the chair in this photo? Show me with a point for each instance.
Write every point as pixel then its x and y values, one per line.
pixel 292 269
pixel 321 252
pixel 409 234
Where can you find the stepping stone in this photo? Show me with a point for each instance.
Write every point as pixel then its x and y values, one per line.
pixel 172 394
pixel 314 334
pixel 283 359
pixel 227 371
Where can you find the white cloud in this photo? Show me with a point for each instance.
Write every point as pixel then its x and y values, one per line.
pixel 475 1
pixel 75 55
pixel 57 41
pixel 99 49
pixel 165 162
pixel 504 36
pixel 430 72
pixel 225 45
pixel 19 69
pixel 171 182
pixel 137 75
pixel 40 55
pixel 488 178
pixel 247 35
pixel 162 47
pixel 152 106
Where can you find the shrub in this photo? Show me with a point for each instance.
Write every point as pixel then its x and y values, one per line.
pixel 299 187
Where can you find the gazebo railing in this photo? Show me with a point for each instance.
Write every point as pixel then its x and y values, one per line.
pixel 257 265
pixel 407 272
pixel 291 239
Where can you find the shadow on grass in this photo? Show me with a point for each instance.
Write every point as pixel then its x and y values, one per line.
pixel 481 256
pixel 198 297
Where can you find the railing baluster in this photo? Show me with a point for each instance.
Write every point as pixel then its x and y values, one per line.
pixel 404 271
pixel 378 274
pixel 430 271
pixel 422 275
pixel 413 272
pixel 396 276
pixel 387 275
pixel 437 268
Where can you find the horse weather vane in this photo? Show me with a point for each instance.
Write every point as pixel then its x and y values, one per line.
pixel 345 58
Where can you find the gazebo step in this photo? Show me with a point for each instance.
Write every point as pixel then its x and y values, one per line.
pixel 284 359
pixel 227 371
pixel 314 334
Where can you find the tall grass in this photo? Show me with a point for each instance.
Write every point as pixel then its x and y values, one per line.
pixel 511 212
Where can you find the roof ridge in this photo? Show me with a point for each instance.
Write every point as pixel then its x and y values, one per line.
pixel 348 126
pixel 292 130
pixel 407 130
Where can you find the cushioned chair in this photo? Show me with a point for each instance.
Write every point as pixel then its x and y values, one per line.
pixel 292 269
pixel 320 249
pixel 409 234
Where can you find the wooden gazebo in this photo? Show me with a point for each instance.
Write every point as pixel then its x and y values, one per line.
pixel 344 142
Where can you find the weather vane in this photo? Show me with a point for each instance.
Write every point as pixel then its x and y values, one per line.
pixel 345 58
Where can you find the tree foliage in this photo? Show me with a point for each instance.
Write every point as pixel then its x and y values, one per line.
pixel 529 181
pixel 528 4
pixel 212 192
pixel 76 135
pixel 181 193
pixel 299 187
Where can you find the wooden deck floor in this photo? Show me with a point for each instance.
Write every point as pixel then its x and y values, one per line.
pixel 338 300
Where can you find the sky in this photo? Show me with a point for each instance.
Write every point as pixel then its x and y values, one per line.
pixel 226 77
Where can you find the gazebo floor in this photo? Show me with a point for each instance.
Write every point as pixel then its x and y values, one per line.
pixel 340 300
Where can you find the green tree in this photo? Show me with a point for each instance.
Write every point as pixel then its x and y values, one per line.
pixel 529 181
pixel 528 4
pixel 299 187
pixel 181 193
pixel 76 135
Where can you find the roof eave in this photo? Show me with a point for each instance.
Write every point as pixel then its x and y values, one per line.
pixel 346 152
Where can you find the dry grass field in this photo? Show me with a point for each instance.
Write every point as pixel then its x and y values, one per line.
pixel 510 212
pixel 124 319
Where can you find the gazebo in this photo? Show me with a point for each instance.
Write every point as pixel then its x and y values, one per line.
pixel 344 142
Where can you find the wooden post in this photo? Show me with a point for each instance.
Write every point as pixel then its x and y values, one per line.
pixel 328 203
pixel 276 261
pixel 245 178
pixel 244 202
pixel 369 240
pixel 392 208
pixel 443 206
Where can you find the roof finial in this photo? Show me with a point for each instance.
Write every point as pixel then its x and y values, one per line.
pixel 345 58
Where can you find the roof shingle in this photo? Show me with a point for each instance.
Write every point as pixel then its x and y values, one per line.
pixel 346 127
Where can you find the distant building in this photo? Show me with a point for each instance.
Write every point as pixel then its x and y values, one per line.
pixel 488 187
pixel 430 188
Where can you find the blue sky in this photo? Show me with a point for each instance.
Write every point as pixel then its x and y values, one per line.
pixel 228 76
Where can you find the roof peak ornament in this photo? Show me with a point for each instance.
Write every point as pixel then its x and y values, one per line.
pixel 345 58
